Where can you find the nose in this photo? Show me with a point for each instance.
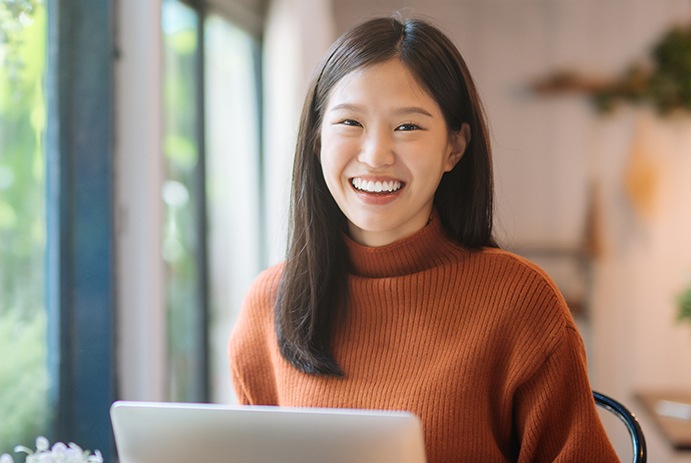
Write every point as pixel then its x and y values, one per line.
pixel 377 149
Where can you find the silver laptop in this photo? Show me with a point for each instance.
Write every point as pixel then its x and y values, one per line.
pixel 154 432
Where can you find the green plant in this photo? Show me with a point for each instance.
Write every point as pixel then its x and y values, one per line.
pixel 665 82
pixel 23 378
pixel 684 305
pixel 24 407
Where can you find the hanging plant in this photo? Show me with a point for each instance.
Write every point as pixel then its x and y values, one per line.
pixel 663 80
pixel 665 83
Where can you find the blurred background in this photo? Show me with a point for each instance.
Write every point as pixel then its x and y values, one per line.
pixel 145 157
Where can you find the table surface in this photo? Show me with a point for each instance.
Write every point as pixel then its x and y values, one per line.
pixel 660 405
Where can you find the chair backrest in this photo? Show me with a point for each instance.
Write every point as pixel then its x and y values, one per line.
pixel 640 453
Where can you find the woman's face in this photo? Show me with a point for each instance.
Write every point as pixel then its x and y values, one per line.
pixel 384 149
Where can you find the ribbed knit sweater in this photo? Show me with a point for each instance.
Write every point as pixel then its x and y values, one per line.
pixel 479 344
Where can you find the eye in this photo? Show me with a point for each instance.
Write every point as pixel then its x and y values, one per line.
pixel 408 127
pixel 350 123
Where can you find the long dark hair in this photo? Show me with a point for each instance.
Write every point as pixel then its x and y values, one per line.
pixel 312 289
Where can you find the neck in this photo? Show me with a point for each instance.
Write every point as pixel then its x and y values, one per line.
pixel 420 251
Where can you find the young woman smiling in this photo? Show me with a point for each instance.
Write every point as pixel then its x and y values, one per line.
pixel 384 149
pixel 393 294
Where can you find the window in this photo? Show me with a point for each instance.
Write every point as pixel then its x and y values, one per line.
pixel 211 192
pixel 79 213
pixel 233 183
pixel 56 375
pixel 24 378
pixel 57 273
pixel 183 231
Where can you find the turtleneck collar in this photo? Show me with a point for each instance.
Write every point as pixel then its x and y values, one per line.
pixel 422 250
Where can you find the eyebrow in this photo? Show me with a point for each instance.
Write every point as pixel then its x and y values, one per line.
pixel 399 111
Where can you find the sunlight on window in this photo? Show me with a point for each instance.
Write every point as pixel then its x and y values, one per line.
pixel 24 382
pixel 181 243
pixel 233 183
pixel 230 169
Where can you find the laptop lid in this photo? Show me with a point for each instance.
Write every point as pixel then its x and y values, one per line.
pixel 154 432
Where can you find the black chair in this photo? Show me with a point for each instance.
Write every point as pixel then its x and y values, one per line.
pixel 640 454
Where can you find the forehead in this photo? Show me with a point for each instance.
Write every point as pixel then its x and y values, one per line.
pixel 390 78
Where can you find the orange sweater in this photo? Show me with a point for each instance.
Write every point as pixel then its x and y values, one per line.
pixel 479 344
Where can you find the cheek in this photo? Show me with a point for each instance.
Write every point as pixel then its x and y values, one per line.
pixel 427 169
pixel 335 154
pixel 331 168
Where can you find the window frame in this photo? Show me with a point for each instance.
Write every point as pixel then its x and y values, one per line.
pixel 80 232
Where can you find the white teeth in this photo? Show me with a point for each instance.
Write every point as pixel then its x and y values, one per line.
pixel 376 187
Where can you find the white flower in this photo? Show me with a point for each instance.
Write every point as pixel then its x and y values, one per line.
pixel 21 448
pixel 59 453
pixel 42 444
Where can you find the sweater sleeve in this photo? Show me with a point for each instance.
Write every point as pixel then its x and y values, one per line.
pixel 555 415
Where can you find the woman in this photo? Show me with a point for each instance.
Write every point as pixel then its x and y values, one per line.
pixel 394 294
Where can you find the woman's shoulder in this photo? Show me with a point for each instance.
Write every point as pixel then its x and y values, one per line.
pixel 496 267
pixel 255 320
pixel 261 294
pixel 533 309
pixel 252 342
pixel 526 287
pixel 509 263
pixel 266 282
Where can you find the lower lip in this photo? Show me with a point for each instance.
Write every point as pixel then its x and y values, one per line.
pixel 378 199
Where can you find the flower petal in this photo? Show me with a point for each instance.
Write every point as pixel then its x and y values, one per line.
pixel 42 443
pixel 21 448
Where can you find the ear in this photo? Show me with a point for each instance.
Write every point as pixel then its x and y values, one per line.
pixel 458 142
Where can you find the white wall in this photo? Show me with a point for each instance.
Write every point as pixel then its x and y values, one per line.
pixel 645 259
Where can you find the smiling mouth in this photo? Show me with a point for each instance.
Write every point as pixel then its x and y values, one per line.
pixel 370 186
